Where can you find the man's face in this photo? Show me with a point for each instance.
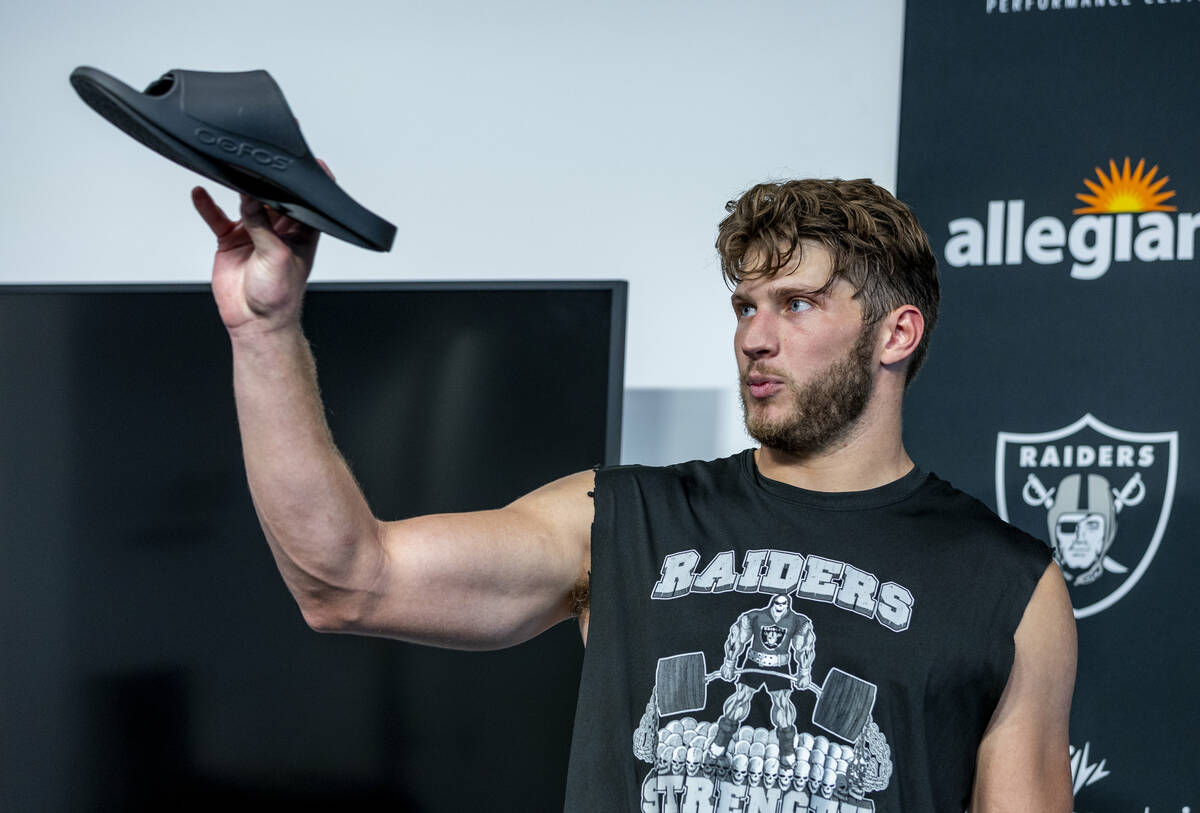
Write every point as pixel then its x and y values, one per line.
pixel 779 606
pixel 1080 538
pixel 805 362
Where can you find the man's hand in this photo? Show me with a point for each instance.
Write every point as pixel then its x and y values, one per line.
pixel 800 682
pixel 261 265
pixel 728 672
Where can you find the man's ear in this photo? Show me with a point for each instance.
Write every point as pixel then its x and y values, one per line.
pixel 901 333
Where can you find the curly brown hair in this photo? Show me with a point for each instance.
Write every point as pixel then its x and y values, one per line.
pixel 875 241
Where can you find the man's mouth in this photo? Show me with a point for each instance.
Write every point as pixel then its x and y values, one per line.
pixel 763 386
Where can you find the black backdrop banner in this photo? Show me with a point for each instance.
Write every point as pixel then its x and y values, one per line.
pixel 1050 149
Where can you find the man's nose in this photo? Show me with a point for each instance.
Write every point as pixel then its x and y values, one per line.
pixel 758 337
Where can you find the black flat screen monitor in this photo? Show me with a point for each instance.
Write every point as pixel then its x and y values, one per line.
pixel 153 658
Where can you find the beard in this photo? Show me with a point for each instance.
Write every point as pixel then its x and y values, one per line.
pixel 822 412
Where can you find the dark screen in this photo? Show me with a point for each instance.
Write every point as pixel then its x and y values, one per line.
pixel 153 657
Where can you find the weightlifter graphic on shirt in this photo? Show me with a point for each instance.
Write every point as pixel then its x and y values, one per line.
pixel 778 645
pixel 771 649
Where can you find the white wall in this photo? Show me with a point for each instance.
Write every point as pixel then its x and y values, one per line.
pixel 527 140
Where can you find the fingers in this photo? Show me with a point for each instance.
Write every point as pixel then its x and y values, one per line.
pixel 267 229
pixel 328 171
pixel 258 224
pixel 211 212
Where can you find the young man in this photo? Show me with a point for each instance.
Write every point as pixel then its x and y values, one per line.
pixel 928 658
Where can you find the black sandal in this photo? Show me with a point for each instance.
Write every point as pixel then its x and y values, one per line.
pixel 237 129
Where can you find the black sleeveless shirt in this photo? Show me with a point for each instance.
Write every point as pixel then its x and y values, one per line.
pixel 912 591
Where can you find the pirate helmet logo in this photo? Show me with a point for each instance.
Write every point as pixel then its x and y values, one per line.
pixel 1082 523
pixel 772 636
pixel 1076 487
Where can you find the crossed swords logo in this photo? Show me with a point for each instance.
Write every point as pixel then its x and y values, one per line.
pixel 1035 493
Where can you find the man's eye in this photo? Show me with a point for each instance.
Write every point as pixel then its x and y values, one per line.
pixel 798 305
pixel 745 310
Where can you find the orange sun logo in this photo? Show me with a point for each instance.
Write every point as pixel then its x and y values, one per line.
pixel 1125 191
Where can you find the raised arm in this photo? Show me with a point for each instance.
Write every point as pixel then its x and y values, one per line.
pixel 1023 762
pixel 476 581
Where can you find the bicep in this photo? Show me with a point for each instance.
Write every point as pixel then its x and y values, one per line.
pixel 485 579
pixel 1023 761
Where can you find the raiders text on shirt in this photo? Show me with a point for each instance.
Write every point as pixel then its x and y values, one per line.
pixel 778 572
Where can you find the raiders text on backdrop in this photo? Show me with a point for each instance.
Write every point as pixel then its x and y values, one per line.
pixel 1103 456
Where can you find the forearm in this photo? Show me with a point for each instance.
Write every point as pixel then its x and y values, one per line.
pixel 739 636
pixel 320 528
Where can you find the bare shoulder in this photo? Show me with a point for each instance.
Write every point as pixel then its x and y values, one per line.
pixel 485 579
pixel 565 504
pixel 566 507
pixel 1023 761
pixel 1048 626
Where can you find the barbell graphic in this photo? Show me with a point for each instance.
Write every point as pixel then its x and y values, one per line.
pixel 844 702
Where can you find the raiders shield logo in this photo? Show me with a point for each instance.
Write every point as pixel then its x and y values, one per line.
pixel 1100 497
pixel 771 636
